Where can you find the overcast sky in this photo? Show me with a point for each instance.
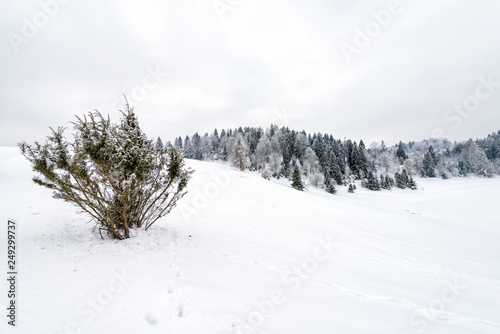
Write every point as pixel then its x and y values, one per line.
pixel 371 70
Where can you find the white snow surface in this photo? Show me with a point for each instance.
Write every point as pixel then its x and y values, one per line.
pixel 241 254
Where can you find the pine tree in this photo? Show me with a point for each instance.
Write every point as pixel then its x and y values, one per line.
pixel 412 184
pixel 351 188
pixel 319 147
pixel 429 163
pixel 335 169
pixel 329 187
pixel 371 182
pixel 196 143
pixel 389 182
pixel 297 177
pixel 353 159
pixel 401 153
pixel 287 158
pixel 383 182
pixel 404 177
pixel 362 160
pixel 188 148
pixel 177 142
pixel 339 154
pixel 240 153
pixel 300 146
pixel 400 180
pixel 159 145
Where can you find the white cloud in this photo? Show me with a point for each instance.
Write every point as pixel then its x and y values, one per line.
pixel 264 55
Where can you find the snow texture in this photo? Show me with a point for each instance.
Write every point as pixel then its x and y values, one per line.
pixel 240 254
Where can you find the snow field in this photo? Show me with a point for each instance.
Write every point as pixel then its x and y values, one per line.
pixel 241 254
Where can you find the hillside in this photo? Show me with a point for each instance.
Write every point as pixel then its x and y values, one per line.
pixel 241 254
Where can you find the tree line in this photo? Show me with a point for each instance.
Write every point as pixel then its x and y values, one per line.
pixel 325 162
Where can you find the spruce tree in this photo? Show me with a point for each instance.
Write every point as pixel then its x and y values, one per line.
pixel 371 182
pixel 404 176
pixel 196 143
pixel 188 148
pixel 429 163
pixel 389 182
pixel 287 158
pixel 383 182
pixel 329 187
pixel 362 160
pixel 412 184
pixel 401 153
pixel 400 180
pixel 354 160
pixel 297 177
pixel 335 173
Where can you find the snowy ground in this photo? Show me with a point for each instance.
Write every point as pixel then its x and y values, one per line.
pixel 244 255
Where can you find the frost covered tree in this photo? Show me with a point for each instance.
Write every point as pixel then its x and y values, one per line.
pixel 335 172
pixel 275 161
pixel 206 148
pixel 311 162
pixel 329 187
pixel 429 163
pixel 372 182
pixel 158 145
pixel 214 142
pixel 401 153
pixel 316 180
pixel 240 153
pixel 403 180
pixel 278 148
pixel 411 183
pixel 362 160
pixel 111 172
pixel 188 148
pixel 263 151
pixel 297 177
pixel 387 161
pixel 386 182
pixel 477 160
pixel 266 173
pixel 300 146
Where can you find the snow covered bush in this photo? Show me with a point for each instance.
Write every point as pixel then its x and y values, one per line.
pixel 112 172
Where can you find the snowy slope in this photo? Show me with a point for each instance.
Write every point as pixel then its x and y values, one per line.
pixel 244 255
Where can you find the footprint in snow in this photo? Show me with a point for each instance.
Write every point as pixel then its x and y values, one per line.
pixel 181 310
pixel 150 319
